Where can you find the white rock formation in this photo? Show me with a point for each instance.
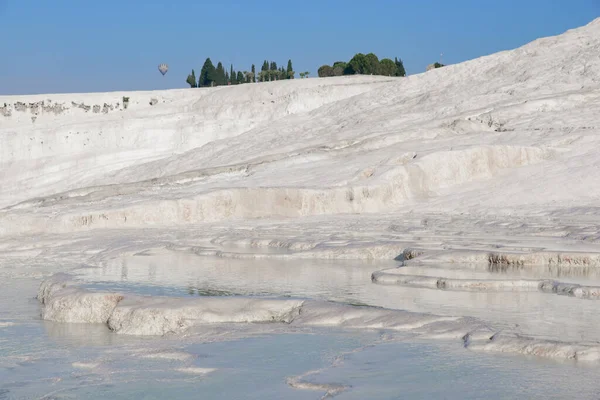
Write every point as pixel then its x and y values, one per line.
pixel 502 132
pixel 493 161
pixel 145 315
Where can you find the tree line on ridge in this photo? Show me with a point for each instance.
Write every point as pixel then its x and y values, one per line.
pixel 363 64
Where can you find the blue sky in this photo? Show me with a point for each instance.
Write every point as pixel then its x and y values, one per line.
pixel 80 46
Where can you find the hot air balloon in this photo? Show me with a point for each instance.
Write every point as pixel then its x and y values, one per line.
pixel 163 68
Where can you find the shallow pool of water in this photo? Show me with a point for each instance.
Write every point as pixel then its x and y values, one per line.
pixel 63 361
pixel 42 359
pixel 537 314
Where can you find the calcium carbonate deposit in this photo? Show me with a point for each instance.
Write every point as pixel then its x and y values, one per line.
pixel 458 207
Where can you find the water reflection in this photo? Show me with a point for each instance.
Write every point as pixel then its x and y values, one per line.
pixel 124 270
pixel 79 335
pixel 536 314
pixel 201 291
pixel 571 272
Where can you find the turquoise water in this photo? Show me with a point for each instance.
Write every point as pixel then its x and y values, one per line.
pixel 41 359
pixel 37 361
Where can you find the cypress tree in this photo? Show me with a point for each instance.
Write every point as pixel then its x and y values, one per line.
pixel 400 71
pixel 220 74
pixel 191 80
pixel 207 74
pixel 289 69
pixel 253 73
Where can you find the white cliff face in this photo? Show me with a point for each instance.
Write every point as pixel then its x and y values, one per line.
pixel 499 132
pixel 72 144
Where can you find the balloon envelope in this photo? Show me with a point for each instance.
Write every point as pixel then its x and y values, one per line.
pixel 163 68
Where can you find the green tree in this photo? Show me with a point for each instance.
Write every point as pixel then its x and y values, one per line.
pixel 232 75
pixel 372 64
pixel 220 74
pixel 265 66
pixel 253 73
pixel 387 67
pixel 240 77
pixel 325 71
pixel 357 65
pixel 227 77
pixel 400 71
pixel 289 70
pixel 273 66
pixel 207 74
pixel 191 80
pixel 338 68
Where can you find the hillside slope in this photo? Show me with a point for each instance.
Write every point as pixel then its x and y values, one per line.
pixel 515 132
pixel 461 204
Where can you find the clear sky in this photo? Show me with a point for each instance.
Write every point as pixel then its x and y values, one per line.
pixel 84 45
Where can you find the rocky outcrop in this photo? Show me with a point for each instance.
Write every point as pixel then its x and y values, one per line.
pixel 48 107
